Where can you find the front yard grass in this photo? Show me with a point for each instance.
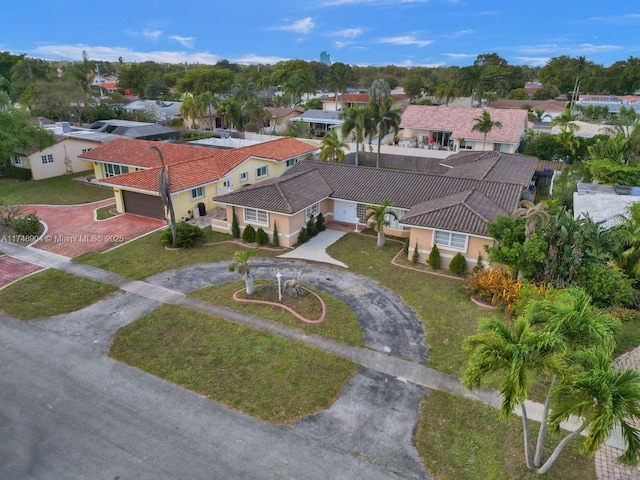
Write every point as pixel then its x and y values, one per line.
pixel 103 213
pixel 460 439
pixel 272 378
pixel 50 292
pixel 146 256
pixel 62 190
pixel 340 323
pixel 447 313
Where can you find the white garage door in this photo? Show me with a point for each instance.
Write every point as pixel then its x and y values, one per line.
pixel 344 211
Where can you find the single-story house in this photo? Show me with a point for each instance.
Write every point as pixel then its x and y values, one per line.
pixel 131 129
pixel 63 157
pixel 335 102
pixel 321 122
pixel 446 210
pixel 452 128
pixel 604 203
pixel 197 174
pixel 160 110
pixel 280 118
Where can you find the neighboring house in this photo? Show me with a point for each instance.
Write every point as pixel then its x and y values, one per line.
pixel 160 110
pixel 139 130
pixel 350 100
pixel 612 102
pixel 452 128
pixel 551 108
pixel 604 204
pixel 587 130
pixel 197 174
pixel 62 158
pixel 446 210
pixel 532 87
pixel 321 122
pixel 280 118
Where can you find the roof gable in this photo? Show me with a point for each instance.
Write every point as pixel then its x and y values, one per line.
pixel 494 166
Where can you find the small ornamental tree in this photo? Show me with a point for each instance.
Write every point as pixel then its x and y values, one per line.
pixel 303 236
pixel 276 239
pixel 261 237
pixel 405 248
pixel 434 258
pixel 311 226
pixel 249 234
pixel 458 264
pixel 187 236
pixel 235 228
pixel 416 255
pixel 320 223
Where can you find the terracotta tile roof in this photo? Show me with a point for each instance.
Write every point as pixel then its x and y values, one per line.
pixel 466 212
pixel 460 121
pixel 287 194
pixel 283 112
pixel 361 98
pixel 189 166
pixel 494 166
pixel 546 105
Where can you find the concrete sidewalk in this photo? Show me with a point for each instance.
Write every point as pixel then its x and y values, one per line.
pixel 316 248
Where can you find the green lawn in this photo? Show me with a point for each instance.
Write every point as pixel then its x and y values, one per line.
pixel 146 256
pixel 460 439
pixel 447 313
pixel 50 292
pixel 266 376
pixel 340 323
pixel 52 191
pixel 105 212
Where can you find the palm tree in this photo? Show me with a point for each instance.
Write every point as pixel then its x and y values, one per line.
pixel 187 109
pixel 537 116
pixel 358 122
pixel 211 101
pixel 565 121
pixel 164 189
pixel 229 111
pixel 447 91
pixel 379 216
pixel 386 120
pixel 604 398
pixel 240 265
pixel 627 236
pixel 471 79
pixel 532 214
pixel 517 353
pixel 339 77
pixel 332 148
pixel 379 90
pixel 484 125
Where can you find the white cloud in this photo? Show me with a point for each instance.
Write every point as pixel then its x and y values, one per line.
pixel 627 19
pixel 251 59
pixel 461 33
pixel 152 35
pixel 460 55
pixel 300 26
pixel 554 49
pixel 339 45
pixel 533 61
pixel 348 33
pixel 111 54
pixel 186 42
pixel 405 40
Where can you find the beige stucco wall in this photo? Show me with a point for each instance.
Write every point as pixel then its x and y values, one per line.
pixel 68 147
pixel 410 133
pixel 424 239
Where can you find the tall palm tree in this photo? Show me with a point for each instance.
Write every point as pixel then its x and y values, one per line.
pixel 339 77
pixel 537 116
pixel 332 148
pixel 386 120
pixel 187 109
pixel 240 265
pixel 532 213
pixel 230 112
pixel 471 80
pixel 211 101
pixel 358 121
pixel 484 125
pixel 379 214
pixel 627 236
pixel 379 90
pixel 164 189
pixel 517 353
pixel 604 398
pixel 446 91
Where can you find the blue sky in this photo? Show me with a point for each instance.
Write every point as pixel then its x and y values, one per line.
pixel 363 32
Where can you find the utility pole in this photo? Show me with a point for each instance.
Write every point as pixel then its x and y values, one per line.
pixel 99 79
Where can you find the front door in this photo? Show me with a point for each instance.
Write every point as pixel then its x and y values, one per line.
pixel 345 211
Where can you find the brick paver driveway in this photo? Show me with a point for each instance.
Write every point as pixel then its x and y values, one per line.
pixel 12 269
pixel 73 230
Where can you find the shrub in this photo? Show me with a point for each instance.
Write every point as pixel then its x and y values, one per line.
pixel 405 247
pixel 434 258
pixel 607 285
pixel 261 237
pixel 28 225
pixel 276 239
pixel 478 267
pixel 235 228
pixel 187 236
pixel 249 234
pixel 416 255
pixel 495 286
pixel 10 171
pixel 320 223
pixel 311 226
pixel 303 236
pixel 458 264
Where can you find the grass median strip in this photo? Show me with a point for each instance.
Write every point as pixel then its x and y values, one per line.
pixel 340 324
pixel 274 379
pixel 461 439
pixel 50 292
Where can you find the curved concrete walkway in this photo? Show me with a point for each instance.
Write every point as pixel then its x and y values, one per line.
pixel 316 248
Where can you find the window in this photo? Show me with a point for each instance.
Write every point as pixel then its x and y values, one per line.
pixel 258 216
pixel 197 193
pixel 501 147
pixel 226 183
pixel 312 210
pixel 261 172
pixel 85 150
pixel 46 159
pixel 291 162
pixel 112 169
pixel 361 211
pixel 244 176
pixel 15 160
pixel 464 145
pixel 450 239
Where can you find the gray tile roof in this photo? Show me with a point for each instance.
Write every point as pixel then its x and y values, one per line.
pixel 287 194
pixel 466 212
pixel 493 166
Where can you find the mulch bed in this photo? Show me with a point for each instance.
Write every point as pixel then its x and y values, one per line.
pixel 8 235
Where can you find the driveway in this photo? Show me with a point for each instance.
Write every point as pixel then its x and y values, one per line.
pixel 72 230
pixel 13 269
